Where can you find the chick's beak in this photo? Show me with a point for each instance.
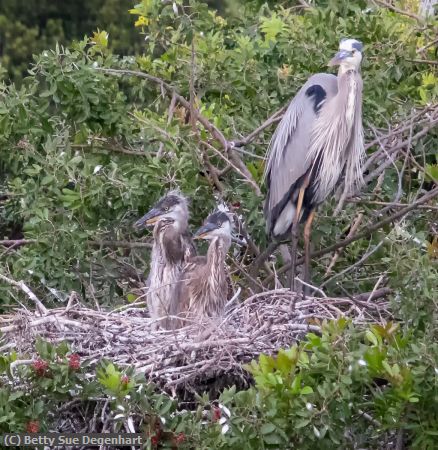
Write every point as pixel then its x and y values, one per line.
pixel 339 57
pixel 150 218
pixel 205 230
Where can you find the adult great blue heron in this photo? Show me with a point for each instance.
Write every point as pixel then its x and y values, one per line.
pixel 172 247
pixel 203 288
pixel 319 138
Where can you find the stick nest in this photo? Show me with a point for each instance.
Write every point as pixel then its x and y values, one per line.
pixel 187 357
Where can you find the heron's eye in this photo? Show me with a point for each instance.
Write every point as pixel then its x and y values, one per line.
pixel 353 51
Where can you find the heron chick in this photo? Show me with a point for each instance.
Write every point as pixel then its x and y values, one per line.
pixel 172 247
pixel 203 287
pixel 319 140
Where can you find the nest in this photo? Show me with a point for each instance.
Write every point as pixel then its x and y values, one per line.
pixel 198 354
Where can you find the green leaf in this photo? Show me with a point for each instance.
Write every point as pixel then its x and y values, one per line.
pixel 271 27
pixel 306 390
pixel 267 428
pixel 15 395
pixel 371 337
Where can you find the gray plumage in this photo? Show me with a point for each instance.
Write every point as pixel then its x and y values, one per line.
pixel 203 288
pixel 287 159
pixel 319 139
pixel 171 249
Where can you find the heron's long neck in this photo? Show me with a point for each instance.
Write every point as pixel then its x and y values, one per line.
pixel 167 247
pixel 349 95
pixel 217 252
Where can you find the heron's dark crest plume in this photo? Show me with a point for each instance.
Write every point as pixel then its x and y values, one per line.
pixel 319 140
pixel 172 247
pixel 203 288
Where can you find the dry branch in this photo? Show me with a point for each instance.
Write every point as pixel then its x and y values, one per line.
pixel 399 11
pixel 24 288
pixel 276 117
pixel 365 232
pixel 120 244
pixel 16 242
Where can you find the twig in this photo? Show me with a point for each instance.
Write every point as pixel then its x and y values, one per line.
pixel 263 256
pixel 314 288
pixel 390 204
pixel 426 46
pixel 353 266
pixel 365 232
pixel 17 242
pixel 170 112
pixel 276 117
pixel 375 287
pixel 337 253
pixel 237 169
pixel 120 244
pixel 212 175
pixel 126 151
pixel 399 11
pixel 20 285
pixel 424 61
pixel 369 418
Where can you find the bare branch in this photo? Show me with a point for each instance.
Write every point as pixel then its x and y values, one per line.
pixel 391 204
pixel 16 242
pixel 120 244
pixel 424 61
pixel 276 117
pixel 365 232
pixel 20 285
pixel 353 229
pixel 399 11
pixel 428 45
pixel 237 169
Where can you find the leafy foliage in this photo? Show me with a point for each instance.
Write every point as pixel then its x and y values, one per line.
pixel 83 152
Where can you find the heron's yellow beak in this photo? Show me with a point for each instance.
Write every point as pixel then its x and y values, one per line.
pixel 150 218
pixel 339 57
pixel 152 221
pixel 204 231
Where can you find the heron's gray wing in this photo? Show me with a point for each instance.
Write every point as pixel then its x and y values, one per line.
pixel 337 138
pixel 286 158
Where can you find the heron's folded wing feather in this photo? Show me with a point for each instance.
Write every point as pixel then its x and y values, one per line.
pixel 286 158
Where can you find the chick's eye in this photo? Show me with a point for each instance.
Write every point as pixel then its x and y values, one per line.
pixel 219 224
pixel 166 208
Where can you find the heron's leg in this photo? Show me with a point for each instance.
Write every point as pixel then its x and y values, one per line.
pixel 307 228
pixel 295 225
